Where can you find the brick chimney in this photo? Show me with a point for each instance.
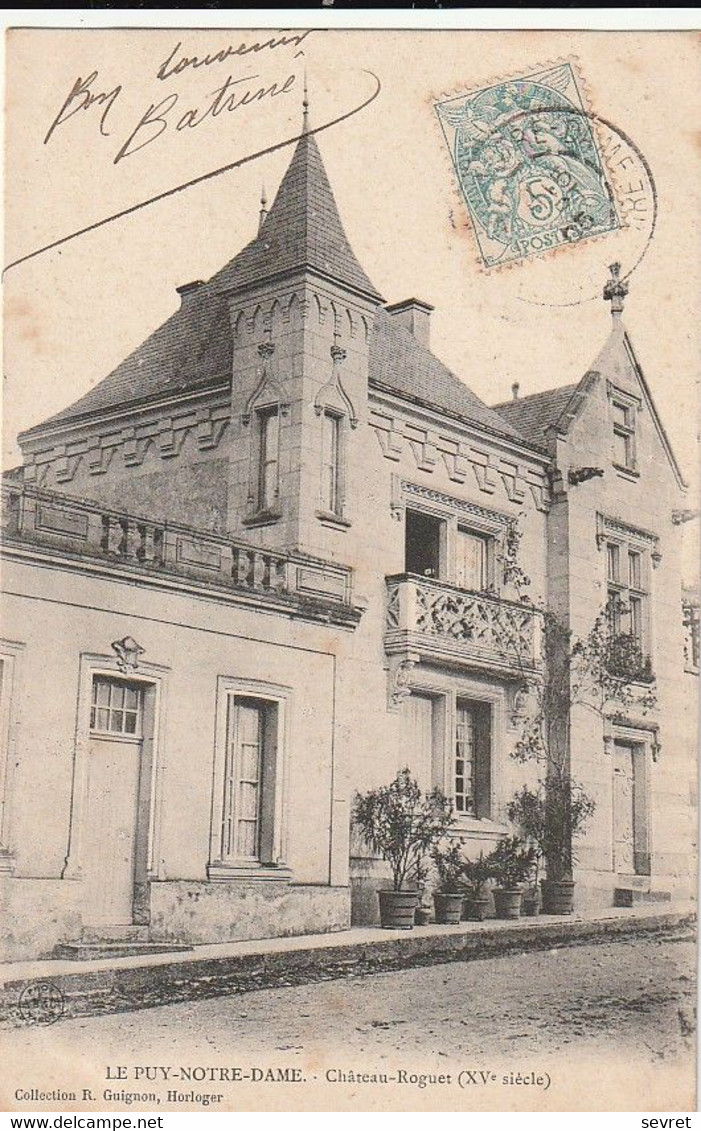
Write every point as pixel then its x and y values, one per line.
pixel 416 316
pixel 188 289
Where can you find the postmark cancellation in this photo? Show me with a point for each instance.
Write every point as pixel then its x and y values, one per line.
pixel 529 165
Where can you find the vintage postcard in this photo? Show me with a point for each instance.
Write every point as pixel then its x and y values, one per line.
pixel 350 619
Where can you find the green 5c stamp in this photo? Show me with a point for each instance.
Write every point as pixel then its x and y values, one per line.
pixel 528 165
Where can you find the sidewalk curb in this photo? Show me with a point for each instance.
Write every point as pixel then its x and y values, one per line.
pixel 123 989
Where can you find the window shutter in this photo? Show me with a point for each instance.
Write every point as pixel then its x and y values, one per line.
pixel 269 785
pixel 483 759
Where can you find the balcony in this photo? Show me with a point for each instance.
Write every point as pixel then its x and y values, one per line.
pixel 85 536
pixel 441 623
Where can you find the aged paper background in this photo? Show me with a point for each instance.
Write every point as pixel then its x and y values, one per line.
pixel 72 313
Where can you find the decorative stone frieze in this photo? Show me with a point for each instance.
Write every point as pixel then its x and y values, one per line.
pixel 147 431
pixel 432 448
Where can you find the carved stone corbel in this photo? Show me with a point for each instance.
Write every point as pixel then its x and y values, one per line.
pixel 399 678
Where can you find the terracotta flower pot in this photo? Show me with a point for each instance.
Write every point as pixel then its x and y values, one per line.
pixel 448 906
pixel 558 897
pixel 397 909
pixel 476 908
pixel 507 902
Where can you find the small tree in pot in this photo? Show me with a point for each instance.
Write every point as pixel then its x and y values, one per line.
pixel 449 894
pixel 402 825
pixel 527 810
pixel 476 873
pixel 511 864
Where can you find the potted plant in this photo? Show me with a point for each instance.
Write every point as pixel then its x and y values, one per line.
pixel 511 864
pixel 476 873
pixel 528 811
pixel 448 895
pixel 402 825
pixel 567 810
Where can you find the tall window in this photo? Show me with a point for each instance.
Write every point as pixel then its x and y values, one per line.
pixel 269 442
pixel 246 825
pixel 116 708
pixel 627 596
pixel 472 765
pixel 623 434
pixel 330 463
pixel 471 560
pixel 464 759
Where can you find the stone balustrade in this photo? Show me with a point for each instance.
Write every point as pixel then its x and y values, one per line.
pixel 443 623
pixel 79 529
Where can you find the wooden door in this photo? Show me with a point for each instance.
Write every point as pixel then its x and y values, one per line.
pixel 623 810
pixel 470 561
pixel 112 802
pixel 109 850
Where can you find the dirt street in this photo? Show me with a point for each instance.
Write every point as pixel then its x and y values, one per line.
pixel 614 1018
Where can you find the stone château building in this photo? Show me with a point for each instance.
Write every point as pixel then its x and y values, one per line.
pixel 260 566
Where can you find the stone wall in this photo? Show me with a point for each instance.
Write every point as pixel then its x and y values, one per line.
pixel 190 912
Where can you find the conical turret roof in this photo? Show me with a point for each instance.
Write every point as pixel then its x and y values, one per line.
pixel 302 231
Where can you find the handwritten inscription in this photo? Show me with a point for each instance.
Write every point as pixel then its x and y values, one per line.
pixel 101 100
pixel 175 64
pixel 82 97
pixel 234 94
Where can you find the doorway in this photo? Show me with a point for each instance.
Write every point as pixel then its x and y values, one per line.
pixel 117 800
pixel 422 548
pixel 631 854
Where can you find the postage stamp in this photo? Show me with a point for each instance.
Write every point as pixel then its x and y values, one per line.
pixel 528 165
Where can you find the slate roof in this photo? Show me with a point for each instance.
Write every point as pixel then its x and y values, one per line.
pixel 193 348
pixel 533 415
pixel 303 230
pixel 398 361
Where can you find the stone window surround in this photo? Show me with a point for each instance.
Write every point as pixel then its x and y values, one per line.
pixel 338 517
pixel 611 531
pixel 229 687
pixel 455 514
pixel 153 678
pixel 267 398
pixel 258 514
pixel 447 692
pixel 644 738
pixel 333 401
pixel 633 405
pixel 11 654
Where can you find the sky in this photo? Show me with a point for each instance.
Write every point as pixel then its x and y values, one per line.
pixel 72 313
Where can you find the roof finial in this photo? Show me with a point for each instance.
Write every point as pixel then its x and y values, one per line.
pixel 263 208
pixel 515 390
pixel 305 106
pixel 615 291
